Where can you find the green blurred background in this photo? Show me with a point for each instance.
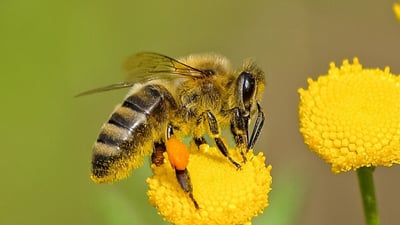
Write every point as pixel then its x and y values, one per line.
pixel 52 50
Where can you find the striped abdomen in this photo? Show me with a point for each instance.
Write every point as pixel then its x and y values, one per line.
pixel 130 132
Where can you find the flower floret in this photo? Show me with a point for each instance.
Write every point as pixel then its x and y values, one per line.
pixel 350 117
pixel 396 9
pixel 225 195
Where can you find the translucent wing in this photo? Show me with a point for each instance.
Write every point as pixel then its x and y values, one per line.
pixel 146 66
pixel 107 88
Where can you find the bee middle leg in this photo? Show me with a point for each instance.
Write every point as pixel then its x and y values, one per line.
pixel 214 129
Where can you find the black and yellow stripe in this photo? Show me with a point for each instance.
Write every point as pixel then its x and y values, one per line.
pixel 130 127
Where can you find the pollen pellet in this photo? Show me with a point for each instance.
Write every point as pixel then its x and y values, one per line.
pixel 178 153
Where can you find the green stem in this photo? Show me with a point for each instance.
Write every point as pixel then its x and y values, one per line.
pixel 366 183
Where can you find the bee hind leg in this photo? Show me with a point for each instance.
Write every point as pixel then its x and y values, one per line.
pixel 183 178
pixel 179 152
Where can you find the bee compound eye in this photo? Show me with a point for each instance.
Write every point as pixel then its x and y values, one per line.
pixel 248 86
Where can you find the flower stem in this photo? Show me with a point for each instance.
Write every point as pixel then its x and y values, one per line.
pixel 366 183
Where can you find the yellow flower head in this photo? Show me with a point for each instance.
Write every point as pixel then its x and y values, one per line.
pixel 224 194
pixel 351 117
pixel 396 9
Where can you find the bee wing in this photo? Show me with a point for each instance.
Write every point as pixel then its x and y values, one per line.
pixel 147 66
pixel 106 88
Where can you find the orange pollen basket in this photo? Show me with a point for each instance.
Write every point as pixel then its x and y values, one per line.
pixel 178 153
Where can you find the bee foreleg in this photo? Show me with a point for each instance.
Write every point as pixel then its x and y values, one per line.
pixel 214 129
pixel 257 127
pixel 183 178
pixel 239 129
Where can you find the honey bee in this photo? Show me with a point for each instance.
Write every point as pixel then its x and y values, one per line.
pixel 170 99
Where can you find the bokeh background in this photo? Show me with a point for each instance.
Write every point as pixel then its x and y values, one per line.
pixel 52 50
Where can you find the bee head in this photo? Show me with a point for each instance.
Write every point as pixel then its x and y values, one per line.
pixel 249 88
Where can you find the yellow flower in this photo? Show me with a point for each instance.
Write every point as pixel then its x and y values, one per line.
pixel 224 194
pixel 396 9
pixel 351 117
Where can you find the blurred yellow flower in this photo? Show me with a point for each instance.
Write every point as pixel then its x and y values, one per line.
pixel 351 117
pixel 396 9
pixel 224 194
